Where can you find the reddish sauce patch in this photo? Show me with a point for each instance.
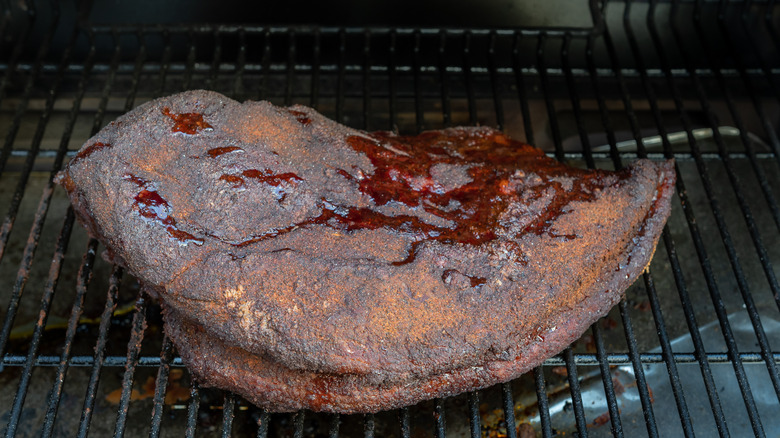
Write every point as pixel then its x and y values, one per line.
pixel 474 281
pixel 237 181
pixel 187 123
pixel 154 207
pixel 266 176
pixel 345 174
pixel 300 116
pixel 89 150
pixel 402 174
pixel 215 152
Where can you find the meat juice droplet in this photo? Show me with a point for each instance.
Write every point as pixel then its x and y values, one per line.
pixel 266 176
pixel 236 181
pixel 474 281
pixel 187 123
pixel 154 207
pixel 216 152
pixel 89 150
pixel 300 116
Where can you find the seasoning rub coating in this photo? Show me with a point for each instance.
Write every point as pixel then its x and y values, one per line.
pixel 304 264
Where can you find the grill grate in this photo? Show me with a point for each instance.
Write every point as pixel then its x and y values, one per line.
pixel 648 80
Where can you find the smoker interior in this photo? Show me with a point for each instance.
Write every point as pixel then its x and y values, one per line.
pixel 691 350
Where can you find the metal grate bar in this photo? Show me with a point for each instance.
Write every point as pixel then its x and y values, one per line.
pixel 84 277
pixel 238 82
pixel 335 422
pixel 763 256
pixel 340 77
pixel 228 413
pixel 544 405
pixel 139 62
pixel 48 295
pixel 190 63
pixel 575 102
pixel 614 154
pixel 693 328
pixel 133 350
pixel 165 62
pixel 290 68
pixel 356 67
pixel 405 422
pixel 100 347
pixel 367 82
pixel 298 418
pixel 586 359
pixel 352 30
pixel 192 411
pixel 160 386
pixel 508 403
pixel 666 348
pixel 419 114
pixel 101 110
pixel 552 116
pixel 606 378
pixel 498 108
pixel 315 71
pixel 291 49
pixel 265 63
pixel 392 87
pixel 576 393
pixel 211 80
pixel 446 105
pixel 475 427
pixel 639 373
pixel 521 93
pixel 265 419
pixel 368 426
pixel 468 78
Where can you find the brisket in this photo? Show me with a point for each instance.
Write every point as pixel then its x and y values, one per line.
pixel 305 264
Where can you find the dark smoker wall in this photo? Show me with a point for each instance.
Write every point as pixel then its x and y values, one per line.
pixel 496 14
pixel 483 13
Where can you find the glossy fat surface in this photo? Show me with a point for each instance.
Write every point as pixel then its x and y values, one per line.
pixel 332 251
